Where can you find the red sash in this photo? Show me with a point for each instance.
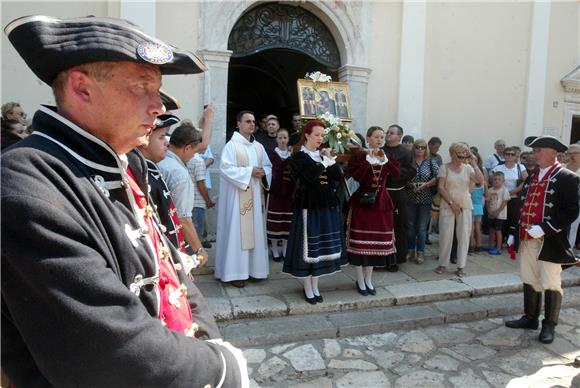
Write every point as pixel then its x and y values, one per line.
pixel 174 309
pixel 532 212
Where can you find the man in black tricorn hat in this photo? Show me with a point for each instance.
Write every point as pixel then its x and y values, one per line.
pixel 551 199
pixel 93 294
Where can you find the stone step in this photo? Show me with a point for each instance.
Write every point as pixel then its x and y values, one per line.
pixel 376 319
pixel 259 301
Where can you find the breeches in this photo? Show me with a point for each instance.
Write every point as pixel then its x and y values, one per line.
pixel 541 275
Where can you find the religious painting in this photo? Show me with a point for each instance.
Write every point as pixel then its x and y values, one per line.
pixel 318 98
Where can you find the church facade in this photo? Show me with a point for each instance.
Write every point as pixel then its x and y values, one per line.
pixel 463 71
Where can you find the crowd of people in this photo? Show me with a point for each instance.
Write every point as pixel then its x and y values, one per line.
pixel 286 188
pixel 119 217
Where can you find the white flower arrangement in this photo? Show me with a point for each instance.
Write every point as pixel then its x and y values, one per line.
pixel 318 77
pixel 337 134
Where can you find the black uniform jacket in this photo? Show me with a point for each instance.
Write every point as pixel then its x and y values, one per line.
pixel 72 247
pixel 561 206
pixel 316 187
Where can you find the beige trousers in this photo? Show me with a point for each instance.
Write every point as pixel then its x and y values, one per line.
pixel 541 275
pixel 447 222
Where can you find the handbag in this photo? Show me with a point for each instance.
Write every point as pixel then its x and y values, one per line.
pixel 368 198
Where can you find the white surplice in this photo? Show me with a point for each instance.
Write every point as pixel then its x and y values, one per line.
pixel 232 262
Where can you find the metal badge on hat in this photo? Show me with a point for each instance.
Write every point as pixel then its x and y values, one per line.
pixel 155 53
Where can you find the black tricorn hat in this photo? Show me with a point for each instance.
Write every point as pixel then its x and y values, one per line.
pixel 545 142
pixel 164 120
pixel 50 45
pixel 170 102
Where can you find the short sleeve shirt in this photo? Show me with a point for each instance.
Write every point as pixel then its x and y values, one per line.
pixel 492 161
pixel 511 175
pixel 495 198
pixel 196 168
pixel 427 170
pixel 179 183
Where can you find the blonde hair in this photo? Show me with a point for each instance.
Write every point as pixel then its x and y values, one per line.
pixel 455 148
pixel 423 143
pixel 97 70
pixel 8 108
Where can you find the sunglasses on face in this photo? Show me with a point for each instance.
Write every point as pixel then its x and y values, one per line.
pixel 462 157
pixel 420 147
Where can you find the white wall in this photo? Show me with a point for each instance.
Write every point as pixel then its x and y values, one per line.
pixel 476 60
pixel 384 53
pixel 18 81
pixel 563 57
pixel 476 72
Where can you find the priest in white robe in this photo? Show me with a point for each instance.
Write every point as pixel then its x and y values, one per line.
pixel 245 171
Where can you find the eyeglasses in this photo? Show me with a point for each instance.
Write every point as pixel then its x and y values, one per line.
pixel 420 147
pixel 509 154
pixel 462 157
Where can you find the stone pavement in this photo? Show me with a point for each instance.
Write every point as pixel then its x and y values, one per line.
pixel 482 353
pixel 273 311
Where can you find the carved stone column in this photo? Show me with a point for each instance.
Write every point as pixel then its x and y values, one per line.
pixel 358 80
pixel 215 90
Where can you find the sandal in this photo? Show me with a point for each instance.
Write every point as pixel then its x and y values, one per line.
pixel 460 272
pixel 440 270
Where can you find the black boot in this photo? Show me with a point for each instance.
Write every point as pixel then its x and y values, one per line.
pixel 532 305
pixel 552 303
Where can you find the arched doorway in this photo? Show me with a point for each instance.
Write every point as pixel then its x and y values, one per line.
pixel 273 45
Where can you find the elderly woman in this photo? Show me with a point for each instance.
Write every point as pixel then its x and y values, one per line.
pixel 420 198
pixel 455 179
pixel 12 132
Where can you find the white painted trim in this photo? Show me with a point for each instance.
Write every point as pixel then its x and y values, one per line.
pixel 571 109
pixel 412 75
pixel 537 68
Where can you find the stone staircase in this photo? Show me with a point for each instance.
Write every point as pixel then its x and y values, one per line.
pixel 274 311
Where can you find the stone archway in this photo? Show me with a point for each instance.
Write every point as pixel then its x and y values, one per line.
pixel 282 26
pixel 348 23
pixel 272 46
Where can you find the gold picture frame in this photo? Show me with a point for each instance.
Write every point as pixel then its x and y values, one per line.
pixel 317 98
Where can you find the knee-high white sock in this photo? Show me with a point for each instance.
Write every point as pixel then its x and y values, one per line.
pixel 308 287
pixel 275 248
pixel 360 278
pixel 369 277
pixel 315 290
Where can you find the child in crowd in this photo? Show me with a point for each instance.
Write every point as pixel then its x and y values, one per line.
pixel 279 206
pixel 478 193
pixel 202 200
pixel 496 202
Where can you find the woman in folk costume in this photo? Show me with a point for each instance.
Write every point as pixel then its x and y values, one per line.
pixel 279 214
pixel 316 242
pixel 370 239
